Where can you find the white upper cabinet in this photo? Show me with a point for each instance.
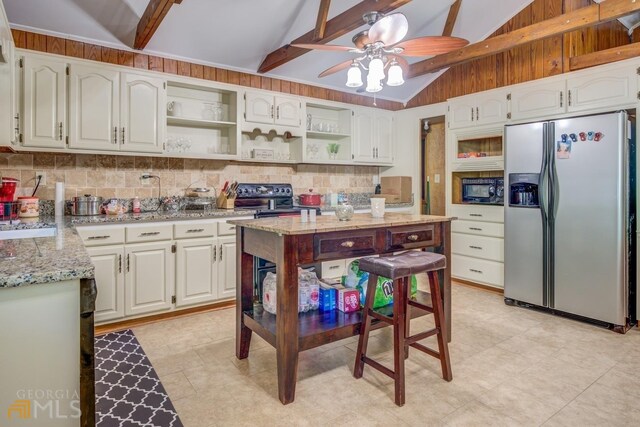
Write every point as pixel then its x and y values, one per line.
pixel 45 94
pixel 266 108
pixel 94 106
pixel 538 100
pixel 614 87
pixel 143 103
pixel 287 111
pixel 259 107
pixel 373 136
pixel 478 109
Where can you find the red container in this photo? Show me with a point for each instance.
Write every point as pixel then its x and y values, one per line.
pixel 8 188
pixel 310 198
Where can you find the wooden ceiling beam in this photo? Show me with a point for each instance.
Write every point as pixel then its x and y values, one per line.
pixel 150 21
pixel 321 21
pixel 605 56
pixel 451 18
pixel 587 16
pixel 340 25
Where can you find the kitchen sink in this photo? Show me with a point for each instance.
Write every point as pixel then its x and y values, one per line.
pixel 28 233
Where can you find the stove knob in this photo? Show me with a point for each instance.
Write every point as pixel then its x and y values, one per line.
pixel 277 190
pixel 288 190
pixel 245 191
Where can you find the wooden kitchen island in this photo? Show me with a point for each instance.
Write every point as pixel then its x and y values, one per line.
pixel 289 243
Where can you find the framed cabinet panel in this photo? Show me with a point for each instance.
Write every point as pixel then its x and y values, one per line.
pixel 259 107
pixel 538 100
pixel 196 271
pixel 109 276
pixel 227 267
pixel 150 277
pixel 610 88
pixel 142 113
pixel 287 111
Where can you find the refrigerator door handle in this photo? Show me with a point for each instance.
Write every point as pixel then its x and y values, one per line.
pixel 543 172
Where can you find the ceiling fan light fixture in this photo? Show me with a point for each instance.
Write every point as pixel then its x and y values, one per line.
pixel 395 77
pixel 376 68
pixel 373 84
pixel 354 76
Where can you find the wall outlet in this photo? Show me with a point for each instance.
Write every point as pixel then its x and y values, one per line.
pixel 436 178
pixel 43 181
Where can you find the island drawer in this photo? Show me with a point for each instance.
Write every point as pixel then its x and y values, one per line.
pixel 492 229
pixel 101 235
pixel 410 237
pixel 190 229
pixel 149 233
pixel 344 245
pixel 491 248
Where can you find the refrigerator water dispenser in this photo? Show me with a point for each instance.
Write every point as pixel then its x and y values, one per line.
pixel 523 190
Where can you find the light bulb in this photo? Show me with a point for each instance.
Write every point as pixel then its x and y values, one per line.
pixel 376 68
pixel 354 76
pixel 373 83
pixel 395 75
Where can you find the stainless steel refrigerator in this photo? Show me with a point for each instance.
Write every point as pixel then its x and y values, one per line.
pixel 569 217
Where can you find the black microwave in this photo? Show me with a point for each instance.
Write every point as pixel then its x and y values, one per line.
pixel 488 191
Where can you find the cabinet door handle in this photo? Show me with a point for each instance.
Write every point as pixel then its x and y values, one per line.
pixel 123 134
pixel 561 95
pixel 233 227
pixel 473 270
pixel 98 237
pixel 272 111
pixel 471 113
pixel 128 263
pixel 115 134
pixel 278 112
pixel 347 244
pixel 60 130
pixel 477 114
pixel 17 128
pixel 220 252
pixel 119 263
pixel 475 228
pixel 150 233
pixel 569 98
pixel 195 230
pixel 475 247
pixel 215 253
pixel 475 214
pixel 412 237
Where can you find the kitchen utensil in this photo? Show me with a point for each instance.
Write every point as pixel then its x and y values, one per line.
pixel 311 198
pixel 29 207
pixel 86 205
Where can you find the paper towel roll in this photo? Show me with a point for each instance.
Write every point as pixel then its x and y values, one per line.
pixel 59 202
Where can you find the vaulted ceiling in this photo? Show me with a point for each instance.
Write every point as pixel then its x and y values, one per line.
pixel 239 34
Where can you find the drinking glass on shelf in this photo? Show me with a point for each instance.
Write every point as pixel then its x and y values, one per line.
pixel 334 128
pixel 217 111
pixel 207 111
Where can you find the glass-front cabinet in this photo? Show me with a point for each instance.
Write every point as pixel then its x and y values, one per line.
pixel 477 150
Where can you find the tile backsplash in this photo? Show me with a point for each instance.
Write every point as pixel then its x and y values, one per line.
pixel 119 176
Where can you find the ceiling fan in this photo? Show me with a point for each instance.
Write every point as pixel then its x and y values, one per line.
pixel 381 47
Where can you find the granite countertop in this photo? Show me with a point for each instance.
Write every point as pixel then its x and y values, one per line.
pixel 293 225
pixel 63 257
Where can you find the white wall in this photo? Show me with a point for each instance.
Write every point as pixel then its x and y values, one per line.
pixel 407 149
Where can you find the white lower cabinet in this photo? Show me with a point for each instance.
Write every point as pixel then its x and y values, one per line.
pixel 196 271
pixel 227 267
pixel 109 276
pixel 150 277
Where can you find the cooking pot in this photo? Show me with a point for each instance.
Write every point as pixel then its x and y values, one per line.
pixel 86 205
pixel 310 198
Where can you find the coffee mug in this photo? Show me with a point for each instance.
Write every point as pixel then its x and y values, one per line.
pixel 174 109
pixel 377 207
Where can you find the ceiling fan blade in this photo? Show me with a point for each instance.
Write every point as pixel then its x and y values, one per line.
pixel 431 45
pixel 338 67
pixel 403 63
pixel 389 29
pixel 330 47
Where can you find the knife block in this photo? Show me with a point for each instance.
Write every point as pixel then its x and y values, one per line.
pixel 223 202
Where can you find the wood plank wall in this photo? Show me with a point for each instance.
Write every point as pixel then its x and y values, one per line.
pixel 534 61
pixel 61 46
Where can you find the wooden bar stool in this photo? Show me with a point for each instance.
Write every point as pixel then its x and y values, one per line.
pixel 400 268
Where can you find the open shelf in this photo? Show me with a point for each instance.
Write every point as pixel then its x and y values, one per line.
pixel 202 123
pixel 326 135
pixel 479 147
pixel 332 325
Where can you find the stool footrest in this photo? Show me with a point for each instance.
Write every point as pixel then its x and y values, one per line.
pixel 422 335
pixel 425 349
pixel 414 303
pixel 380 317
pixel 388 372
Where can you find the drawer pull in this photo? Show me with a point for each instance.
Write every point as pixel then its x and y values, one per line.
pixel 473 270
pixel 475 247
pixel 333 267
pixel 195 230
pixel 150 233
pixel 347 244
pixel 98 237
pixel 475 214
pixel 475 228
pixel 232 227
pixel 412 237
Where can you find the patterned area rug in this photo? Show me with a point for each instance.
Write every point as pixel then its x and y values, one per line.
pixel 128 391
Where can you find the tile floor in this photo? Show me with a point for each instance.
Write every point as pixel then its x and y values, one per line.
pixel 511 366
